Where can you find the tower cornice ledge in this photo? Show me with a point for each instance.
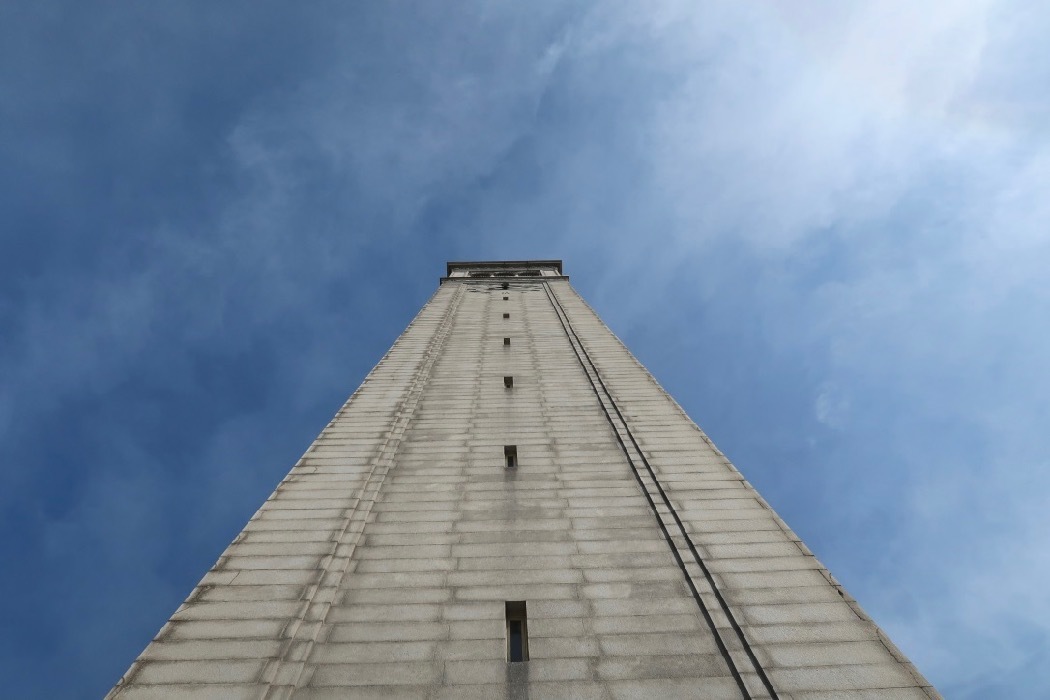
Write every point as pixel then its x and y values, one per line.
pixel 504 269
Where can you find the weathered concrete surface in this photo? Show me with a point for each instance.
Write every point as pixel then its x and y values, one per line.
pixel 381 565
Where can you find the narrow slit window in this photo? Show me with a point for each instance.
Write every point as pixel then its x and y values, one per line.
pixel 510 456
pixel 508 382
pixel 517 631
pixel 506 315
pixel 506 341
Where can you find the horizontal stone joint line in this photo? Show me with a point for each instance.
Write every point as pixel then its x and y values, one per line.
pixel 595 379
pixel 380 467
pixel 723 603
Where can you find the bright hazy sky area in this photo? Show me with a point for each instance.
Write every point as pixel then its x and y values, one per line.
pixel 823 226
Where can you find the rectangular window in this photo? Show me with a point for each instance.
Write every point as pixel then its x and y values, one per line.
pixel 517 631
pixel 506 341
pixel 510 456
pixel 508 382
pixel 506 315
pixel 506 298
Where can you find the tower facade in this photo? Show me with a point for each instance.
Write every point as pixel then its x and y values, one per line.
pixel 510 506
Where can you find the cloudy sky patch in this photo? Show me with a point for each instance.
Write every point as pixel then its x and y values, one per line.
pixel 822 226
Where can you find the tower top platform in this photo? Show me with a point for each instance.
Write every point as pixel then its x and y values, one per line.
pixel 502 268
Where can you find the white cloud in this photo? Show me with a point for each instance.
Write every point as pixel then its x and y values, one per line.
pixel 852 136
pixel 831 406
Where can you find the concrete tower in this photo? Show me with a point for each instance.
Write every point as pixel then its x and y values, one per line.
pixel 510 506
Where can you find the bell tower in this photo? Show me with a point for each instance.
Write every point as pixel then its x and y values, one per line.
pixel 510 506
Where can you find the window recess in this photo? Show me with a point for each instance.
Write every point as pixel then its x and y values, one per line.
pixel 517 631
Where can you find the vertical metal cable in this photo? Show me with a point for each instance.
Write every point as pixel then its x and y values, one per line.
pixel 584 358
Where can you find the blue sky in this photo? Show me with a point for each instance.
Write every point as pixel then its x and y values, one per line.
pixel 822 226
